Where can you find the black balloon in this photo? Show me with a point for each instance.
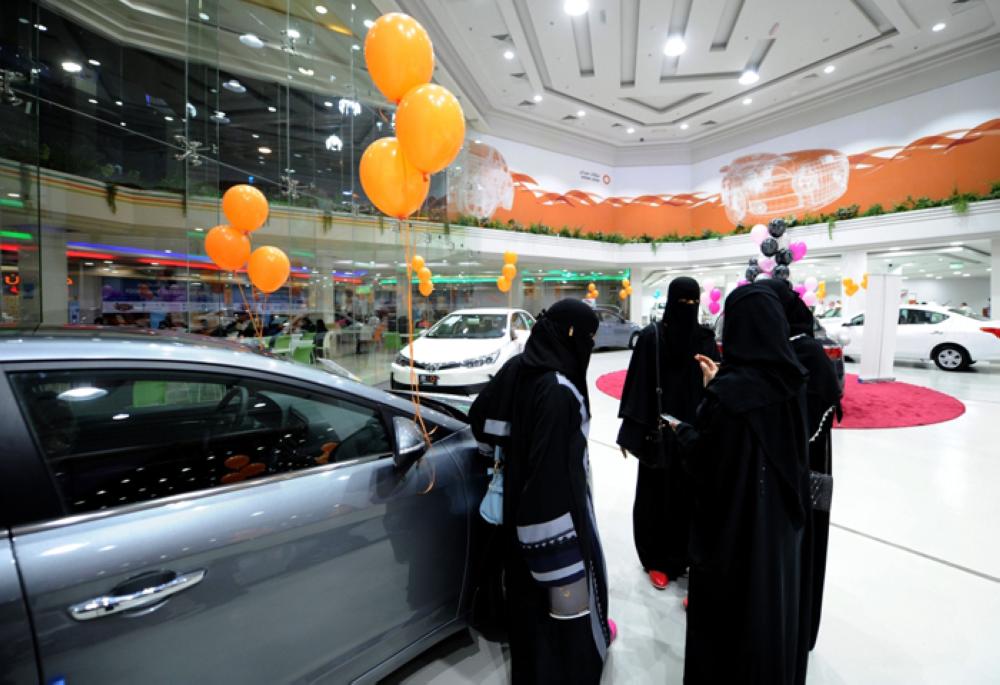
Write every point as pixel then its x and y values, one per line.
pixel 784 256
pixel 781 271
pixel 753 261
pixel 769 247
pixel 752 273
pixel 776 227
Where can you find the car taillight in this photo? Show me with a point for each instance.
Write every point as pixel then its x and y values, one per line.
pixel 834 352
pixel 994 331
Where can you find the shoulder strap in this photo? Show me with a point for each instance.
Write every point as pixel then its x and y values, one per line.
pixel 659 389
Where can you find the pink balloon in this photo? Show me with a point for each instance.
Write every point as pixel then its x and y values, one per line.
pixel 742 282
pixel 767 264
pixel 809 298
pixel 800 289
pixel 798 250
pixel 705 300
pixel 759 233
pixel 714 307
pixel 716 294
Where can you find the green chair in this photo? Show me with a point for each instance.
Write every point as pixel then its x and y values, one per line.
pixel 303 354
pixel 282 344
pixel 149 393
pixel 392 341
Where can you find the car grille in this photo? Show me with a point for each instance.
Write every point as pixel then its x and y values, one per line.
pixel 443 366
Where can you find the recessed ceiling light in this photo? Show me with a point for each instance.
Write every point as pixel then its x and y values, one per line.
pixel 306 72
pixel 72 67
pixel 272 108
pixel 118 102
pixel 203 16
pixel 630 130
pixel 829 69
pixel 355 47
pixel 368 23
pixel 293 34
pixel 251 40
pixel 41 27
pixel 92 101
pixel 508 54
pixel 320 9
pixel 93 63
pixel 124 124
pixel 477 141
pixel 264 150
pixel 234 86
pixel 674 46
pixel 575 8
pixel 684 126
pixel 537 98
pixel 747 101
pixel 327 103
pixel 168 118
pixel 940 26
pixel 581 113
pixel 749 77
pixel 88 263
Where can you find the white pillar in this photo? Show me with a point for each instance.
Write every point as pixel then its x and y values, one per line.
pixel 995 279
pixel 52 258
pixel 853 265
pixel 635 308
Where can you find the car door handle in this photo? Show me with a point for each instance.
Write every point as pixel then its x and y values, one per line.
pixel 937 332
pixel 115 604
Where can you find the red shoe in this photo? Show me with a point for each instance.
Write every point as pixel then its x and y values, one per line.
pixel 613 629
pixel 685 604
pixel 659 580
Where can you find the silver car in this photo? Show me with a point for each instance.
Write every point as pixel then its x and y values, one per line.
pixel 179 510
pixel 615 330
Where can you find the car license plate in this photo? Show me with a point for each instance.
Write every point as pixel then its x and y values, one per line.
pixel 428 380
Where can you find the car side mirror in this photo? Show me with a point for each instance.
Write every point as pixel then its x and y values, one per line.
pixel 410 443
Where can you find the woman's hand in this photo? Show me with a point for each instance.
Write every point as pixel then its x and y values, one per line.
pixel 708 368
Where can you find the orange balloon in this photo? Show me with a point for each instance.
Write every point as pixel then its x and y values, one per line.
pixel 622 294
pixel 593 294
pixel 417 263
pixel 399 55
pixel 503 284
pixel 268 268
pixel 591 286
pixel 245 207
pixel 227 247
pixel 511 258
pixel 426 288
pixel 509 272
pixel 430 126
pixel 424 274
pixel 392 183
pixel 625 283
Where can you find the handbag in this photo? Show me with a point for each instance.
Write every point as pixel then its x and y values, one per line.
pixel 488 607
pixel 655 453
pixel 821 484
pixel 491 508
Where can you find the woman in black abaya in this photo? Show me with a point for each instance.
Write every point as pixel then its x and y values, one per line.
pixel 661 515
pixel 823 394
pixel 537 410
pixel 747 452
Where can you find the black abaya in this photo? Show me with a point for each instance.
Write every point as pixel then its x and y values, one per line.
pixel 746 453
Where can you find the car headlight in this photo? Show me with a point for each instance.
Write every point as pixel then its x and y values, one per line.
pixel 401 360
pixel 485 360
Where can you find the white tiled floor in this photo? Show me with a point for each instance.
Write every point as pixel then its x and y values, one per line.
pixel 913 581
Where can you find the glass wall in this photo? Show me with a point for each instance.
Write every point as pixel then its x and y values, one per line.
pixel 121 125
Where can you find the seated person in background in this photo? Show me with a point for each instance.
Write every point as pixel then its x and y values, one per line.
pixel 320 334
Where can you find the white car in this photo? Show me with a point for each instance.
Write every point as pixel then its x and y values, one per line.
pixel 949 338
pixel 463 351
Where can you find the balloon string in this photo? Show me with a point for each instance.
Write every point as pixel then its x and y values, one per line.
pixel 247 306
pixel 414 383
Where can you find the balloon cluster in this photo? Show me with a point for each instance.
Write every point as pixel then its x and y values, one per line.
pixel 711 297
pixel 776 258
pixel 430 125
pixel 418 265
pixel 509 271
pixel 592 292
pixel 851 287
pixel 228 245
pixel 626 289
pixel 809 291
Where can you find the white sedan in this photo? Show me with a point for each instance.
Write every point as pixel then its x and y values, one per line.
pixel 951 339
pixel 463 351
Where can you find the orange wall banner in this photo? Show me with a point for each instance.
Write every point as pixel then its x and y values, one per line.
pixel 758 187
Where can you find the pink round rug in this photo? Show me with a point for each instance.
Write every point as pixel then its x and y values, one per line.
pixel 866 405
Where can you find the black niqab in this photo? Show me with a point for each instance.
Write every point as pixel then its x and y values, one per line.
pixel 562 340
pixel 680 321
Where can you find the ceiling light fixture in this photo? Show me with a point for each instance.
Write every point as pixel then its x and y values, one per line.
pixel 940 26
pixel 234 86
pixel 118 102
pixel 320 9
pixel 327 103
pixel 272 108
pixel 334 144
pixel 537 98
pixel 508 54
pixel 630 130
pixel 41 27
pixel 168 118
pixel 72 67
pixel 747 101
pixel 306 72
pixel 368 23
pixel 92 101
pixel 674 47
pixel 829 69
pixel 264 150
pixel 581 113
pixel 93 63
pixel 203 16
pixel 293 34
pixel 684 126
pixel 749 77
pixel 124 124
pixel 576 8
pixel 347 106
pixel 251 41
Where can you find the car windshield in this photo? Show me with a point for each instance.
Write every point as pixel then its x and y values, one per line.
pixel 470 326
pixel 968 313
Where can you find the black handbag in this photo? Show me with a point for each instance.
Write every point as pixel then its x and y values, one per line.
pixel 821 484
pixel 488 607
pixel 656 450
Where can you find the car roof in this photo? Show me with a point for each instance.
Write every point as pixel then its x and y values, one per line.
pixel 113 343
pixel 487 310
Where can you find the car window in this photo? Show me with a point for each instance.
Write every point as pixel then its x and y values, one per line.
pixel 858 320
pixel 528 321
pixel 518 321
pixel 920 316
pixel 969 313
pixel 112 438
pixel 470 326
pixel 609 317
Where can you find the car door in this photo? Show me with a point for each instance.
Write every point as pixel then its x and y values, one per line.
pixel 855 330
pixel 607 330
pixel 264 516
pixel 521 329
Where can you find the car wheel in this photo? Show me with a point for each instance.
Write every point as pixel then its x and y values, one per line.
pixel 951 357
pixel 633 340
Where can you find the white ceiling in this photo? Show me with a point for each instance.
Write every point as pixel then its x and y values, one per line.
pixel 610 64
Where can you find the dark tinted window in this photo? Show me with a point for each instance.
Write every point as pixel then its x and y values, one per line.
pixel 116 437
pixel 920 316
pixel 609 317
pixel 858 320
